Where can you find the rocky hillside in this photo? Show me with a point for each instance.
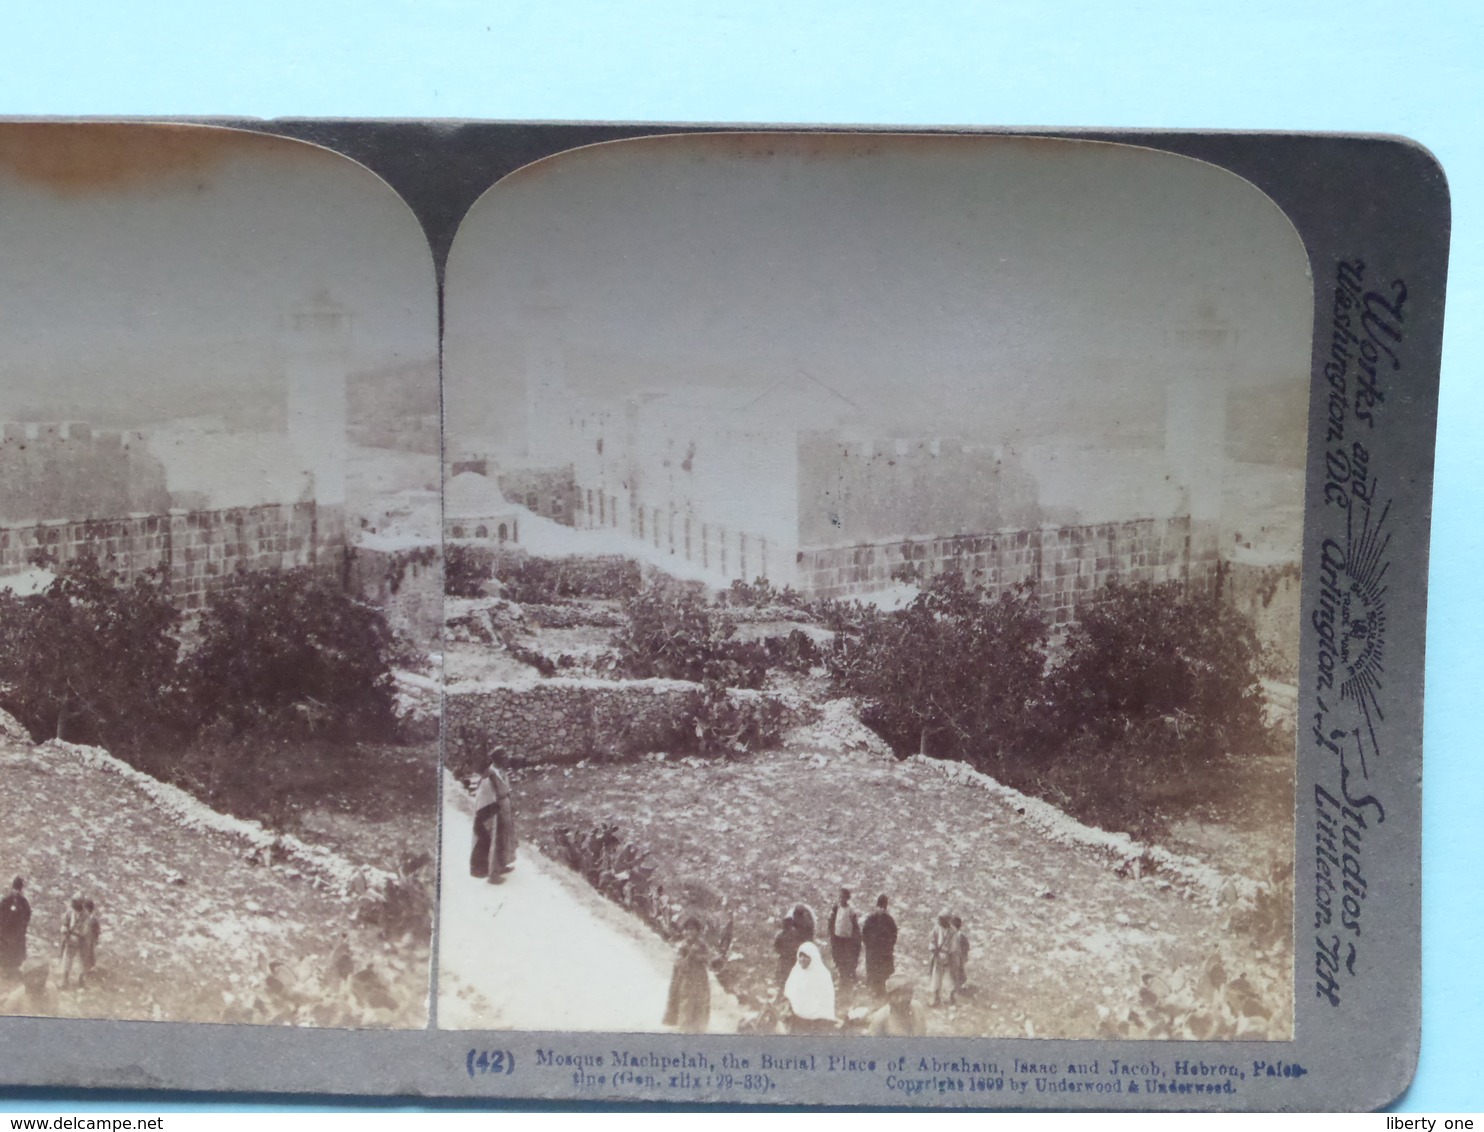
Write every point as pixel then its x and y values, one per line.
pixel 206 918
pixel 1076 932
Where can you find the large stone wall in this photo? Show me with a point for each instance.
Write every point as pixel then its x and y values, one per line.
pixel 1068 564
pixel 566 721
pixel 867 490
pixel 69 471
pixel 199 549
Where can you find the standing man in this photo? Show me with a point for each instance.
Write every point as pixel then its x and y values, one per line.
pixel 879 938
pixel 494 824
pixel 15 918
pixel 845 937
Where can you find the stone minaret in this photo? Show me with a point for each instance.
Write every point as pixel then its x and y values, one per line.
pixel 316 357
pixel 547 402
pixel 1195 445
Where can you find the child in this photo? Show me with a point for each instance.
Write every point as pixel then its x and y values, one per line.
pixel 961 966
pixel 689 1006
pixel 92 928
pixel 943 950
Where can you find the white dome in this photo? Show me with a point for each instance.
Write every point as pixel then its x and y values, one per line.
pixel 470 495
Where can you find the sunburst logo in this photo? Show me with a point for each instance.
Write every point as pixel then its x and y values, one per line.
pixel 1360 620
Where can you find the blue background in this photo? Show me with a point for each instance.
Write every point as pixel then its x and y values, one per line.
pixel 1357 66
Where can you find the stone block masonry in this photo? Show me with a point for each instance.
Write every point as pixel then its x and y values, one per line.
pixel 199 550
pixel 1067 564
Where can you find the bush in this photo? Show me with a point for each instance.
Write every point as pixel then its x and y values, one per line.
pixel 405 911
pixel 92 661
pixel 291 653
pixel 955 674
pixel 671 632
pixel 1161 675
pixel 795 652
pixel 733 725
pixel 762 594
pixel 466 570
pixel 544 580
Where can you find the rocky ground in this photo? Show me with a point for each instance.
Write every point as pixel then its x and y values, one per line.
pixel 206 917
pixel 1076 932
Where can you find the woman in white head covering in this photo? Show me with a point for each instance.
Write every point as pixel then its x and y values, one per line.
pixel 810 992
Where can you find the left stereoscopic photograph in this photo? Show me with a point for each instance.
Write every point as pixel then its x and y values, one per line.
pixel 220 581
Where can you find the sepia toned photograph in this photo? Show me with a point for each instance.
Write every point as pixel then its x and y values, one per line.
pixel 872 570
pixel 220 581
pixel 612 612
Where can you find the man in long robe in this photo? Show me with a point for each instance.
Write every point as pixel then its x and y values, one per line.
pixel 494 827
pixel 879 941
pixel 15 918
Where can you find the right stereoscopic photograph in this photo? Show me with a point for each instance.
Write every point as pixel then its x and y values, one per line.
pixel 872 572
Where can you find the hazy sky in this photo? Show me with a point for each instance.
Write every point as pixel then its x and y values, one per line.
pixel 145 270
pixel 965 284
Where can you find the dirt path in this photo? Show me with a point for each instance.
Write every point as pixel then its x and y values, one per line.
pixel 542 951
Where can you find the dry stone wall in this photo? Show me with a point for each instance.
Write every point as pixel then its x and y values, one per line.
pixel 566 721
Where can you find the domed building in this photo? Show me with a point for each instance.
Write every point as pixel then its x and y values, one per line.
pixel 474 508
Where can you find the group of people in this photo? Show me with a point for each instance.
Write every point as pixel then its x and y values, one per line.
pixel 805 984
pixel 807 990
pixel 81 930
pixel 874 936
pixel 948 957
pixel 851 937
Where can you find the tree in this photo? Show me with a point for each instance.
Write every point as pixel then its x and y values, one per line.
pixel 90 660
pixel 955 674
pixel 1160 674
pixel 671 632
pixel 466 570
pixel 292 653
